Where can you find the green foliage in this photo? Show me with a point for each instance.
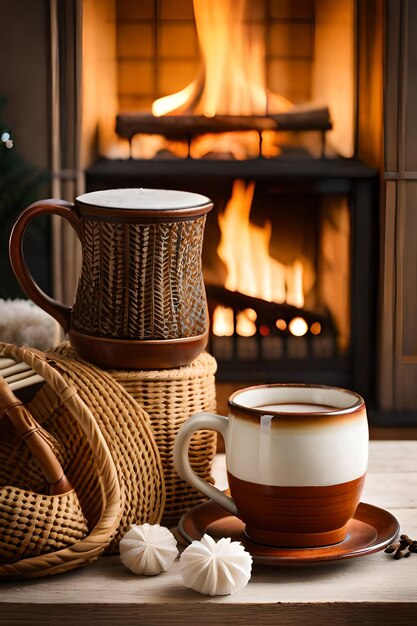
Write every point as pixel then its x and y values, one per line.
pixel 20 183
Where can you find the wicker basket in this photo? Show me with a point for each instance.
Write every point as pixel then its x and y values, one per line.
pixel 124 430
pixel 169 398
pixel 58 517
pixel 32 524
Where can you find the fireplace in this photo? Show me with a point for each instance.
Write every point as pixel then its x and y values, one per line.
pixel 246 62
pixel 75 127
pixel 289 253
pixel 358 57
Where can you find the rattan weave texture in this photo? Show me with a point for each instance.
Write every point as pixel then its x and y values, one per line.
pixel 170 397
pixel 103 439
pixel 127 430
pixel 24 483
pixel 32 524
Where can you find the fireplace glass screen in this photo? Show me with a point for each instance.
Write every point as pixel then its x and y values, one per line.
pixel 277 271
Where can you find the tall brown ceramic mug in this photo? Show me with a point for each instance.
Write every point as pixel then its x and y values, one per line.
pixel 140 300
pixel 296 459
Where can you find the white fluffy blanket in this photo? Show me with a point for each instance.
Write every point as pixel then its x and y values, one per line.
pixel 25 324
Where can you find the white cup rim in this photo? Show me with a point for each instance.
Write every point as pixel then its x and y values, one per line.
pixel 311 394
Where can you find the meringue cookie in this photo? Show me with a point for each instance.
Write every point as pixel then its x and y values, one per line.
pixel 215 568
pixel 148 549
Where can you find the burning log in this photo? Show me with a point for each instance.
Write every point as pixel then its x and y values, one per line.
pixel 268 312
pixel 303 119
pixel 186 127
pixel 183 127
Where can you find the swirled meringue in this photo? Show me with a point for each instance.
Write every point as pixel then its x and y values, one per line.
pixel 148 549
pixel 215 568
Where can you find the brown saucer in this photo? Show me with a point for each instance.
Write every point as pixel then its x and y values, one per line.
pixel 372 529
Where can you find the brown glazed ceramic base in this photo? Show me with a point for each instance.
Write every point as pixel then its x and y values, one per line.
pixel 296 516
pixel 295 540
pixel 371 530
pixel 131 354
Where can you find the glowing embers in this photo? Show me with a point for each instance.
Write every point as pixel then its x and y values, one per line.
pixel 245 323
pixel 223 323
pixel 227 323
pixel 281 324
pixel 315 328
pixel 251 330
pixel 298 327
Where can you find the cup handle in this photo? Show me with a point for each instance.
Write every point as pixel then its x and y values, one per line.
pixel 57 207
pixel 201 421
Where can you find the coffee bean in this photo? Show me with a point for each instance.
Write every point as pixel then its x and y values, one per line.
pixel 406 538
pixel 402 548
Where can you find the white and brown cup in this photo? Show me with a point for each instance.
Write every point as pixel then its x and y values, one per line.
pixel 296 460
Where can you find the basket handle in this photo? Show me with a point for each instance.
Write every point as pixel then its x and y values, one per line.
pixel 29 430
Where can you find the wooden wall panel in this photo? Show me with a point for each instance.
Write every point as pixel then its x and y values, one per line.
pixel 405 379
pixel 385 353
pixel 392 64
pixel 407 279
pixel 410 85
pixel 398 301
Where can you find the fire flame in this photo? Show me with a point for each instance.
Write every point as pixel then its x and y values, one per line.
pixel 244 249
pixel 231 80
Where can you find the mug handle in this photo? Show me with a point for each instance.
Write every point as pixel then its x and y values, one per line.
pixel 201 421
pixel 61 313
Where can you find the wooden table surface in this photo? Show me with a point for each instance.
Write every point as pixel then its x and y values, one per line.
pixel 374 589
